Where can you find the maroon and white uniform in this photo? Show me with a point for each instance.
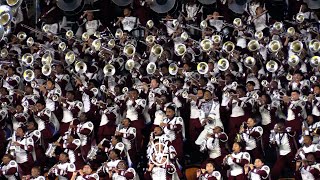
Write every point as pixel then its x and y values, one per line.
pixel 74 152
pixel 259 173
pixel 84 132
pixel 50 104
pixel 295 115
pixel 29 100
pixel 63 171
pixel 315 106
pixel 25 154
pixel 86 96
pixel 195 126
pixel 19 120
pixel 127 174
pixel 71 110
pixel 128 139
pixel 174 130
pixel 250 136
pixel 63 80
pixel 310 172
pixel 39 152
pixel 107 125
pixel 215 175
pixel 236 163
pixel 10 170
pixel 37 178
pixel 92 176
pixel 268 116
pixel 304 150
pixel 47 125
pixel 11 82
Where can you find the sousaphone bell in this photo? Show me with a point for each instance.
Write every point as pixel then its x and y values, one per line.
pixel 253 45
pixel 296 46
pixel 293 60
pixel 5 15
pixel 228 47
pixel 46 69
pixel 109 70
pixel 180 49
pixel 315 61
pixel 157 50
pixel 249 62
pixel 129 65
pixel 70 57
pixel 173 69
pixel 27 59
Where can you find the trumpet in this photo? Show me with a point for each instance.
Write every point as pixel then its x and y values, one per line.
pixel 95 101
pixel 265 83
pixel 125 90
pixel 313 79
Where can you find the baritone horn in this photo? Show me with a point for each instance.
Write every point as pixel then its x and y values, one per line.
pixel 119 34
pixel 28 75
pixel 272 66
pixel 228 47
pixel 296 46
pixel 206 45
pixel 46 70
pixel 291 31
pixel 27 59
pixel 249 62
pixel 180 49
pixel 315 61
pixel 109 70
pixel 258 35
pixel 130 64
pixel 5 15
pixel 70 57
pixel 85 36
pixel 151 68
pixel 253 45
pixel 293 60
pixel 157 50
pixel 129 50
pixel 216 39
pixel 314 45
pixel 80 67
pixel 223 64
pixel 202 68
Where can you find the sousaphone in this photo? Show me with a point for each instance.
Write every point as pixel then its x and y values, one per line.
pixel 122 2
pixel 162 6
pixel 207 2
pixel 68 5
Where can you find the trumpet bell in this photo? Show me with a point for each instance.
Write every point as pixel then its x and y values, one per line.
pixel 180 49
pixel 203 24
pixel 125 90
pixel 157 50
pixel 293 60
pixel 185 94
pixel 70 57
pixel 173 69
pixel 223 64
pixel 109 70
pixel 291 31
pixel 69 34
pixel 150 39
pixel 28 75
pixel 46 28
pixel 4 53
pixel 21 36
pixel 315 61
pixel 313 79
pixel 296 46
pixel 111 43
pixel 27 59
pixel 216 39
pixel 253 45
pixel 62 46
pixel 206 45
pixel 119 34
pixel 202 68
pixel 237 22
pixel 249 62
pixel 289 77
pixel 184 36
pixel 97 34
pixel 30 41
pixel 272 66
pixel 85 36
pixel 255 96
pixel 5 15
pixel 80 67
pixel 46 70
pixel 46 59
pixel 258 35
pixel 300 18
pixel 314 45
pixel 129 50
pixel 96 44
pixel 129 64
pixel 151 68
pixel 213 80
pixel 228 47
pixel 265 83
pixel 274 46
pixel 150 24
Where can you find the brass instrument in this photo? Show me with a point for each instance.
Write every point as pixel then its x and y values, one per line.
pixel 289 77
pixel 206 45
pixel 180 49
pixel 300 18
pixel 157 50
pixel 62 46
pixel 51 149
pixel 253 45
pixel 202 68
pixel 314 45
pixel 223 64
pixel 30 41
pixel 109 70
pixel 274 46
pixel 129 50
pixel 258 35
pixel 293 60
pixel 27 59
pixel 150 40
pixel 228 47
pixel 296 46
pixel 315 61
pixel 216 39
pixel 118 34
pixel 265 83
pixel 313 79
pixel 173 69
pixel 21 36
pixel 5 15
pixel 125 90
pixel 80 67
pixel 46 69
pixel 237 22
pixel 272 66
pixel 28 75
pixel 278 26
pixel 130 64
pixel 249 62
pixel 151 68
pixel 85 36
pixel 70 57
pixel 291 31
pixel 69 34
pixel 96 44
pixel 238 137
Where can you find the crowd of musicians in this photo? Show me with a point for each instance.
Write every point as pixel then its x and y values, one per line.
pixel 234 90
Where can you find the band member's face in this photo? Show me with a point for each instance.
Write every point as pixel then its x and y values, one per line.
pixel 264 99
pixel 157 131
pixel 87 169
pixel 240 92
pixel 311 159
pixel 207 95
pixel 250 87
pixel 69 96
pixel 35 172
pixel 307 140
pixel 133 95
pixel 39 106
pixel 297 77
pixel 37 73
pixel 295 96
pixel 126 12
pixel 200 94
pixel 89 16
pixel 164 70
pixel 10 72
pixel 186 67
pixel 19 109
pixel 228 79
pixel 59 69
pixel 258 163
pixel 236 148
pixel 50 85
pixel 113 155
pixel 209 167
pixel 121 165
pixel 274 85
pixel 91 85
pixel 114 141
pixel 250 122
pixel 316 90
pixel 117 90
pixel 63 158
pixel 30 126
pixel 215 15
pixel 3 91
pixel 154 83
pixel 69 139
pixel 169 113
pixel 83 117
pixel 125 122
pixel 310 119
pixel 5 160
pixel 19 132
pixel 28 90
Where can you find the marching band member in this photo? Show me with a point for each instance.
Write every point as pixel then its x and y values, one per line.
pixel 30 97
pixel 24 150
pixel 38 148
pixel 85 174
pixel 128 134
pixel 122 172
pixel 90 25
pixel 9 170
pixel 61 78
pixel 128 22
pixel 20 118
pixel 310 127
pixel 63 169
pixel 314 100
pixel 84 131
pixel 258 170
pixel 236 161
pixel 111 164
pixel 209 172
pixel 72 147
pixel 250 134
pixel 307 148
pixel 283 138
pixel 35 174
pixel 49 91
pixel 308 168
pixel 71 110
pixel 172 126
pixel 10 80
